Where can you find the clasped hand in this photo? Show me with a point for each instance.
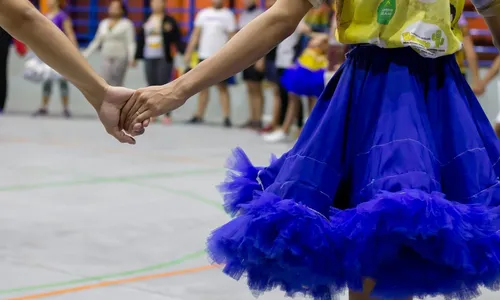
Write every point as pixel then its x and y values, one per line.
pixel 126 113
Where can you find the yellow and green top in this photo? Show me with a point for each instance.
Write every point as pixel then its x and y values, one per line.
pixel 428 26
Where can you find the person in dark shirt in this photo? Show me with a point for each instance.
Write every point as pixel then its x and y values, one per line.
pixel 5 40
pixel 157 36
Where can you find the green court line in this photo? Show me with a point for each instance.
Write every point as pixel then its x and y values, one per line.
pixel 130 180
pixel 164 265
pixel 188 194
pixel 97 180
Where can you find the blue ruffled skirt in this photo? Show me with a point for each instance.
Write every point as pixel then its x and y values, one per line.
pixel 394 178
pixel 303 81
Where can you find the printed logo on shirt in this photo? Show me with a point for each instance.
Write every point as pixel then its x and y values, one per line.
pixel 427 39
pixel 386 11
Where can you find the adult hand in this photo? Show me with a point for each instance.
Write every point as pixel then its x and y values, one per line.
pixel 109 114
pixel 147 103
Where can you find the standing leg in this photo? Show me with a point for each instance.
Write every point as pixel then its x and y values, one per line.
pixel 149 70
pixel 283 96
pixel 256 102
pixel 119 71
pixel 113 70
pixel 4 53
pixel 281 134
pixel 46 93
pixel 107 69
pixel 164 76
pixel 225 103
pixel 64 90
pixel 368 286
pixel 277 108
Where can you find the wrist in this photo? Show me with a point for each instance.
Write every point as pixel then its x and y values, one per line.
pixel 182 88
pixel 96 93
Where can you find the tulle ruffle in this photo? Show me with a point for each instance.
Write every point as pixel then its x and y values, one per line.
pixel 438 246
pixel 394 182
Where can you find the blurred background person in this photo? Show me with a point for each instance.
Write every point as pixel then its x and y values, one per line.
pixel 213 27
pixel 286 54
pixel 468 54
pixel 272 75
pixel 156 40
pixel 336 50
pixel 61 20
pixel 481 86
pixel 254 75
pixel 5 40
pixel 305 78
pixel 115 37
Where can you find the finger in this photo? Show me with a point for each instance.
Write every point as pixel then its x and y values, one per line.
pixel 137 127
pixel 131 122
pixel 146 122
pixel 133 112
pixel 138 121
pixel 126 109
pixel 137 131
pixel 121 136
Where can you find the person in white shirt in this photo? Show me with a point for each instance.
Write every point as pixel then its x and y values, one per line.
pixel 253 75
pixel 116 38
pixel 214 26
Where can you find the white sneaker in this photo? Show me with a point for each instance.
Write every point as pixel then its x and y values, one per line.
pixel 278 136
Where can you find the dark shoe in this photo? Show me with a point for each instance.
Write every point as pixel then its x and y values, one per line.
pixel 195 120
pixel 227 123
pixel 41 112
pixel 66 114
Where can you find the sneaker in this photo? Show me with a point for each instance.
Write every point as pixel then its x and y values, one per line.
pixel 278 136
pixel 40 112
pixel 195 120
pixel 227 123
pixel 66 113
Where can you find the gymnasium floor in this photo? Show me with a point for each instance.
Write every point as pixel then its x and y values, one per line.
pixel 84 217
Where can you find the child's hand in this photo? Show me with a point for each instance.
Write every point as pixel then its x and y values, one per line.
pixel 478 88
pixel 260 65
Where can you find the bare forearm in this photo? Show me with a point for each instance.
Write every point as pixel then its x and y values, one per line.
pixel 490 10
pixel 251 43
pixel 193 42
pixel 25 23
pixel 493 71
pixel 471 57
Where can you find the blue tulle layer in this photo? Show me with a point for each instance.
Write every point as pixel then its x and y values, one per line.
pixel 440 247
pixel 394 178
pixel 302 81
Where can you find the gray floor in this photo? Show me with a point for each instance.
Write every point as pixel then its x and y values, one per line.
pixel 82 214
